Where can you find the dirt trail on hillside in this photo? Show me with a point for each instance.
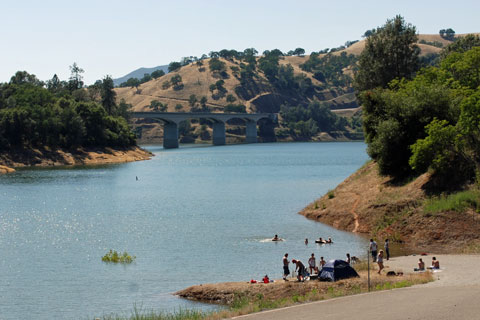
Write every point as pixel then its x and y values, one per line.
pixel 355 214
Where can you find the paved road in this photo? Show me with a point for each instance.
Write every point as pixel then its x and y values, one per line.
pixel 455 295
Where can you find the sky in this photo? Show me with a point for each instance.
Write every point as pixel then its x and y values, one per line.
pixel 105 37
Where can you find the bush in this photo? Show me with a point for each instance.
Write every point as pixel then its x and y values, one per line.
pixel 235 108
pixel 457 202
pixel 115 257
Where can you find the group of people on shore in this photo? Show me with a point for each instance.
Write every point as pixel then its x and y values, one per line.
pixel 300 268
pixel 421 265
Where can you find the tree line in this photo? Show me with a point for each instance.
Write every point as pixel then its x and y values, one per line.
pixel 62 114
pixel 421 119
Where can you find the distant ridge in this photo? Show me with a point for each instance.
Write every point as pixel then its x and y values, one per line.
pixel 139 73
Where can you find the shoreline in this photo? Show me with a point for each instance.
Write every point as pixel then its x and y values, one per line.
pixel 455 270
pixel 46 157
pixel 227 293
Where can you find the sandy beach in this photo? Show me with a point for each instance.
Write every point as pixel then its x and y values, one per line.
pixel 453 295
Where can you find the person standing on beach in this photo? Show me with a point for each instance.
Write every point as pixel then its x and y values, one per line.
pixel 373 250
pixel 300 267
pixel 380 261
pixel 312 264
pixel 286 272
pixel 387 249
pixel 321 263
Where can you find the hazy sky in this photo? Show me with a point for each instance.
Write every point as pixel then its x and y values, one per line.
pixel 45 37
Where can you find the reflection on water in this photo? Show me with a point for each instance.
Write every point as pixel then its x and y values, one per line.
pixel 196 215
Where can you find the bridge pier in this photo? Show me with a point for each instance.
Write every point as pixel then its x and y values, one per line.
pixel 170 135
pixel 219 133
pixel 251 131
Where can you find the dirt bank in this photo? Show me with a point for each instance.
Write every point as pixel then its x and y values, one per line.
pixel 369 203
pixel 47 157
pixel 5 169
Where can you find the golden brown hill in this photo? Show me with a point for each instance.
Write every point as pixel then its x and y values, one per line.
pixel 369 203
pixel 261 95
pixel 197 80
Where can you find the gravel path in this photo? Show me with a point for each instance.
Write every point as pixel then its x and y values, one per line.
pixel 453 295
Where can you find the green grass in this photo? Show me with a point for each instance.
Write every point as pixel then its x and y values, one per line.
pixel 139 314
pixel 243 304
pixel 331 194
pixel 457 202
pixel 115 257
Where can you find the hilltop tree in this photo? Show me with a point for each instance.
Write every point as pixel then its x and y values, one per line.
pixel 390 53
pixel 461 45
pixel 157 73
pixel 174 66
pixel 216 65
pixel 54 84
pixel 108 95
pixel 448 34
pixel 299 52
pixel 76 79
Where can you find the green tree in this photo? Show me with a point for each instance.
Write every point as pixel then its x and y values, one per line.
pixel 192 100
pixel 146 77
pixel 76 79
pixel 203 102
pixel 390 53
pixel 231 98
pixel 108 95
pixel 158 73
pixel 461 45
pixel 299 52
pixel 174 66
pixel 176 82
pixel 216 65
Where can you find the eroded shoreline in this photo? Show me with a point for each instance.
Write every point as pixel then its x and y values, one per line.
pixel 46 157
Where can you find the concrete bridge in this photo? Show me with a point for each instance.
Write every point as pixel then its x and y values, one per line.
pixel 171 121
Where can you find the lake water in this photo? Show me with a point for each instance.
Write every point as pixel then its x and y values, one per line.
pixel 196 215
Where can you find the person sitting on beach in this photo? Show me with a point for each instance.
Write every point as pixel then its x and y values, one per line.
pixel 348 258
pixel 276 238
pixel 322 262
pixel 266 279
pixel 435 263
pixel 300 268
pixel 421 265
pixel 312 264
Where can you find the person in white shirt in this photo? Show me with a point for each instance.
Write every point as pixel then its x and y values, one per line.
pixel 380 261
pixel 373 249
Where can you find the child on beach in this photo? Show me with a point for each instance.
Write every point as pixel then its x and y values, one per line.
pixel 380 261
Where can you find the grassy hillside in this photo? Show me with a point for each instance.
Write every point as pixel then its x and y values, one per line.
pixel 406 212
pixel 332 86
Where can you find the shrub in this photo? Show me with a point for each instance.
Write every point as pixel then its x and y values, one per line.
pixel 458 202
pixel 331 194
pixel 115 257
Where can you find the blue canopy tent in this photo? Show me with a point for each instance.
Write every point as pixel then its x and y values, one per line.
pixel 335 270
